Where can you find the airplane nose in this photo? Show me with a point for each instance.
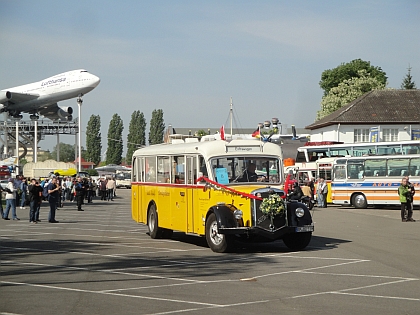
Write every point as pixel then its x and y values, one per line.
pixel 96 80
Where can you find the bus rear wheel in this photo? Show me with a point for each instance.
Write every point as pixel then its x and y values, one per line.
pixel 152 223
pixel 219 243
pixel 359 201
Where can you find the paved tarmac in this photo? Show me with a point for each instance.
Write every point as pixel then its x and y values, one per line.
pixel 101 262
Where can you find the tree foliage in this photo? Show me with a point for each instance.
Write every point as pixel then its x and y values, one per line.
pixel 136 134
pixel 93 139
pixel 347 91
pixel 333 77
pixel 157 127
pixel 408 83
pixel 67 152
pixel 115 143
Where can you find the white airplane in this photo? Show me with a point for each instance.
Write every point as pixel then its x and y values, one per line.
pixel 40 98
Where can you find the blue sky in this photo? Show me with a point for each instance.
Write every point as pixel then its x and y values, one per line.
pixel 189 57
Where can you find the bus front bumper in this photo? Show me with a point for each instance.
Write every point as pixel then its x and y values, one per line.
pixel 270 234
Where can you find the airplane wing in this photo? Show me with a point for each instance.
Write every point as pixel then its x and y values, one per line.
pixel 21 97
pixel 55 112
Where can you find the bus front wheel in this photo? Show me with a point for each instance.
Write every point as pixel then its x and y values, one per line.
pixel 152 223
pixel 297 241
pixel 359 201
pixel 219 243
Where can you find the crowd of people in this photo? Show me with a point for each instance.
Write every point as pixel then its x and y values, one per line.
pixel 55 191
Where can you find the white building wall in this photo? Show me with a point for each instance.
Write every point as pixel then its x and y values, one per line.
pixel 345 133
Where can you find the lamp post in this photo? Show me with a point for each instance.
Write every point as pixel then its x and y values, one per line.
pixel 79 103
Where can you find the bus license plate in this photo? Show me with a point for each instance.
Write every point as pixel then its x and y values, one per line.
pixel 306 228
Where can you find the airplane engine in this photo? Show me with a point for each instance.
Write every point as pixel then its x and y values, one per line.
pixel 5 96
pixel 65 113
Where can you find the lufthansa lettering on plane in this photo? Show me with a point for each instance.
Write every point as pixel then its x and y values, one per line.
pixel 53 81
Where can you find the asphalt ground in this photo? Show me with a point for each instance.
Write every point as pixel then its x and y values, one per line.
pixel 101 262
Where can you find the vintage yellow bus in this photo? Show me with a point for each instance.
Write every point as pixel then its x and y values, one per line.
pixel 222 190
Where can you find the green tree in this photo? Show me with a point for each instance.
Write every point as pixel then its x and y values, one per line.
pixel 67 152
pixel 157 127
pixel 115 142
pixel 93 140
pixel 333 77
pixel 347 91
pixel 136 134
pixel 408 83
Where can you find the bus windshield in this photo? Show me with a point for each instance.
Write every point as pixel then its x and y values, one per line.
pixel 123 176
pixel 245 169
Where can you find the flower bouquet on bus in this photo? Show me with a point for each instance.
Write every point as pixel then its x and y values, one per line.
pixel 273 205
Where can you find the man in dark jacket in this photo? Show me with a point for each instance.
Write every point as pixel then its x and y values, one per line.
pixel 296 193
pixel 80 192
pixel 35 198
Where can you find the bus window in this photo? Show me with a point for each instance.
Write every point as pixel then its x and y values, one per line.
pixel 339 172
pixel 362 151
pixel 355 169
pixel 150 169
pixel 135 172
pixel 178 170
pixel 389 150
pixel 411 149
pixel 337 152
pixel 398 167
pixel 414 167
pixel 375 167
pixel 203 167
pixel 163 169
pixel 300 157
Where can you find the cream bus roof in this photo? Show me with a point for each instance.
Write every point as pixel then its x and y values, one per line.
pixel 214 148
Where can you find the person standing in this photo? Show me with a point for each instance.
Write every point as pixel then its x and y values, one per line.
pixel 23 188
pixel 35 198
pixel 10 200
pixel 80 189
pixel 53 198
pixel 89 190
pixel 102 188
pixel 110 187
pixel 1 203
pixel 322 191
pixel 16 185
pixel 406 199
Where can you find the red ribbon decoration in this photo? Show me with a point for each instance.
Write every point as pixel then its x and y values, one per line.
pixel 245 195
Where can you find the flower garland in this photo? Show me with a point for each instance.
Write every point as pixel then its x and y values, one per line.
pixel 218 186
pixel 273 205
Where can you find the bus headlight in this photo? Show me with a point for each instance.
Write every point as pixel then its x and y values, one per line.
pixel 238 214
pixel 299 212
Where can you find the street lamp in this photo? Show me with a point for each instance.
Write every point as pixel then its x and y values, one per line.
pixel 79 103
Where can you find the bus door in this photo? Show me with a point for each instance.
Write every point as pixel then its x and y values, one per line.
pixel 339 193
pixel 179 193
pixel 164 191
pixel 190 178
pixel 135 191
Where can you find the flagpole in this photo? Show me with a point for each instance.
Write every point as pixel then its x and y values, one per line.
pixel 231 114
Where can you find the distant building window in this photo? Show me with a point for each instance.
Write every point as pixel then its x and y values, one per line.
pixel 361 135
pixel 390 134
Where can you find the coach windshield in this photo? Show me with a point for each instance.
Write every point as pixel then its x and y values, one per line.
pixel 241 169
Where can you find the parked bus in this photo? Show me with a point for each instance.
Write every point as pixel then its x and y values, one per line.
pixel 324 170
pixel 312 153
pixel 4 172
pixel 373 180
pixel 201 188
pixel 123 179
